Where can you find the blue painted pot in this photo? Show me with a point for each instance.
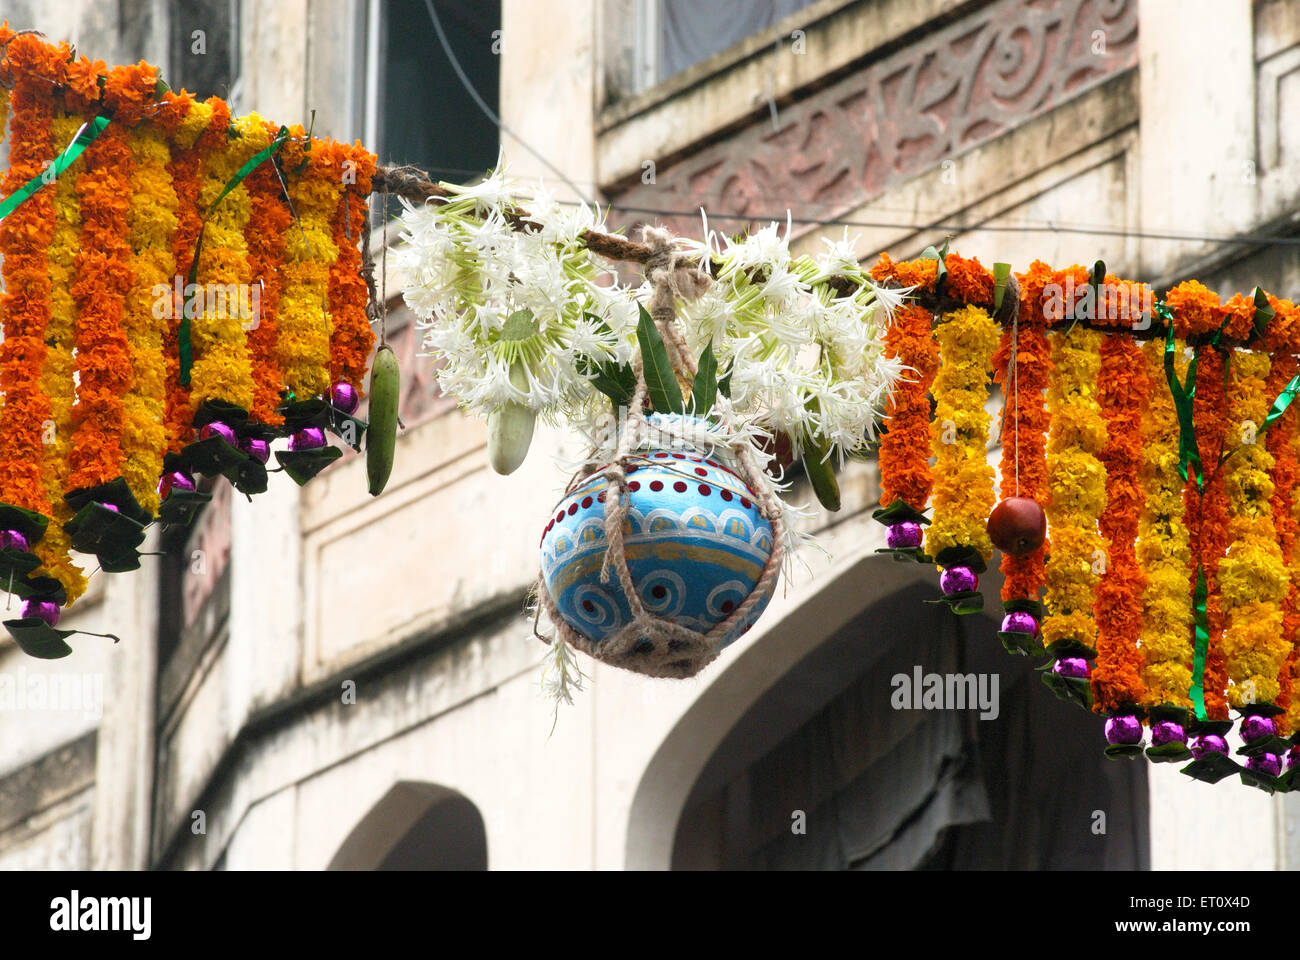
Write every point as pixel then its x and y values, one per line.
pixel 695 541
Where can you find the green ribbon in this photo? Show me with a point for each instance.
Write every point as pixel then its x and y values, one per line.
pixel 185 345
pixel 1280 404
pixel 90 130
pixel 1202 642
pixel 1183 395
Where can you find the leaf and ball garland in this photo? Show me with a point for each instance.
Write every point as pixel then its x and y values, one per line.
pixel 182 289
pixel 1148 520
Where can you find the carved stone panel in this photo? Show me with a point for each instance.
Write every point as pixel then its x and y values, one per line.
pixel 959 86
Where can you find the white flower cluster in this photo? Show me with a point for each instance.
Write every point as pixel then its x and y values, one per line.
pixel 798 341
pixel 801 337
pixel 471 266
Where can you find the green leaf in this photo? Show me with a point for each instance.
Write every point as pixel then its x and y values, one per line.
pixel 704 390
pixel 660 381
pixel 1001 273
pixel 302 465
pixel 724 385
pixel 941 270
pixel 520 325
pixel 36 638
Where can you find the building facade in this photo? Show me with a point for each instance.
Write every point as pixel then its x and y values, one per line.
pixel 324 679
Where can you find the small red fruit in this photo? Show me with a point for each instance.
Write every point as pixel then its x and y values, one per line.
pixel 1017 526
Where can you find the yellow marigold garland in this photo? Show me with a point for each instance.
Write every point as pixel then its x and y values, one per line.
pixel 1076 486
pixel 963 477
pixel 1252 576
pixel 152 222
pixel 222 369
pixel 304 327
pixel 57 375
pixel 1164 547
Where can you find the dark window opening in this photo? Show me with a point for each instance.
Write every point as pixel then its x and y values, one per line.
pixel 204 47
pixel 429 118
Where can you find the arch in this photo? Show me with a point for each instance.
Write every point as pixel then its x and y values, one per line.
pixel 416 826
pixel 781 640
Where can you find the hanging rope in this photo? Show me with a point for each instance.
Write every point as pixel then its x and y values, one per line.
pixel 648 644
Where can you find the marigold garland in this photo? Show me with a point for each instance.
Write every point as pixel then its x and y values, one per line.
pixel 304 324
pixel 152 223
pixel 222 369
pixel 1122 390
pixel 1024 435
pixel 352 338
pixel 57 377
pixel 904 457
pixel 25 237
pixel 1252 577
pixel 184 120
pixel 1077 487
pixel 1209 511
pixel 269 221
pixel 104 276
pixel 1164 547
pixel 1280 443
pixel 963 478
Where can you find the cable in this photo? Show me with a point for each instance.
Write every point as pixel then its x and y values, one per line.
pixel 1047 227
pixel 487 111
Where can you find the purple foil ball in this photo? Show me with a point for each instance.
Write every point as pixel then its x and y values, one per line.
pixel 256 448
pixel 308 438
pixel 1254 727
pixel 958 580
pixel 1019 622
pixel 344 397
pixel 1207 744
pixel 13 540
pixel 901 536
pixel 1073 668
pixel 1167 731
pixel 218 429
pixel 1124 729
pixel 174 480
pixel 1293 758
pixel 1269 764
pixel 111 507
pixel 46 610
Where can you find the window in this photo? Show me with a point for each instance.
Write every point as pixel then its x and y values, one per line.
pixel 204 47
pixel 668 36
pixel 417 109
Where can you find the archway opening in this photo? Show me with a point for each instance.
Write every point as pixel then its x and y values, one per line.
pixel 416 826
pixel 837 760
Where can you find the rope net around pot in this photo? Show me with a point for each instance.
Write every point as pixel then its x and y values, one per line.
pixel 648 644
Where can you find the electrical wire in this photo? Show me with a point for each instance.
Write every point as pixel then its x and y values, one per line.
pixel 488 111
pixel 942 225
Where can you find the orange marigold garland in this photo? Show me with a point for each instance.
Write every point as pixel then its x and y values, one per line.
pixel 1024 437
pixel 25 237
pixel 104 276
pixel 904 457
pixel 269 221
pixel 1122 388
pixel 1209 510
pixel 352 338
pixel 185 120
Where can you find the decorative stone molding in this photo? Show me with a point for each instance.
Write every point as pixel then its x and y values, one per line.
pixel 957 87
